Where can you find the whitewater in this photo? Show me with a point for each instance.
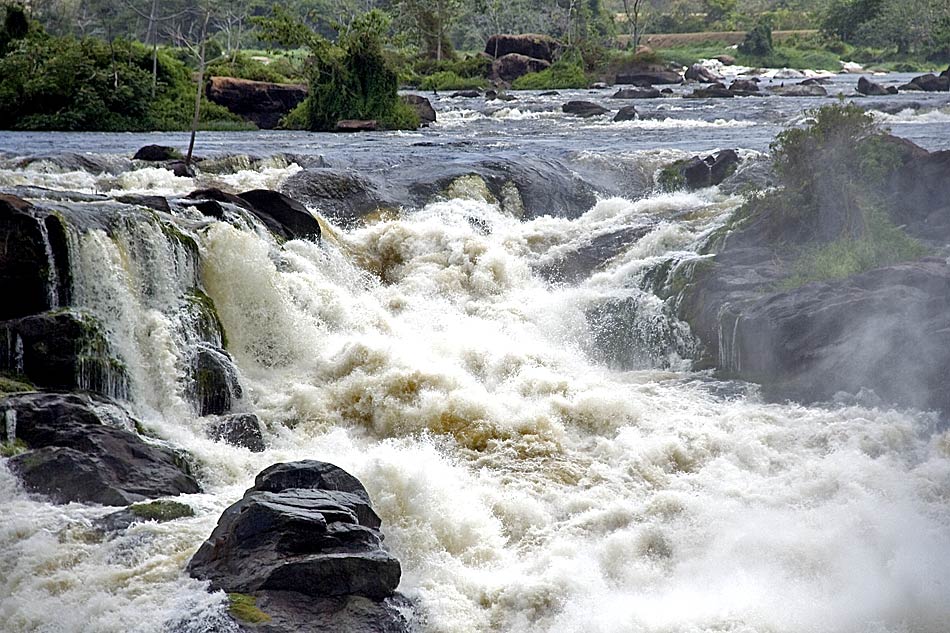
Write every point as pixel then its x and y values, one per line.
pixel 527 481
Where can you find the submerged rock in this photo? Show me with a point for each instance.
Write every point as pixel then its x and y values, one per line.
pixel 85 448
pixel 633 93
pixel 305 544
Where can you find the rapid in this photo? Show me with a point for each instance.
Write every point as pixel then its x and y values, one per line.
pixel 542 453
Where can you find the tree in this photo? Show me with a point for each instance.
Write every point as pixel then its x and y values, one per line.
pixel 429 23
pixel 635 10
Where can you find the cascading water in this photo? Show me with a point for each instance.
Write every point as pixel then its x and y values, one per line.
pixel 525 482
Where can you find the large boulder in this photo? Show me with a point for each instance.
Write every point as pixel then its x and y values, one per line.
pixel 261 102
pixel 527 44
pixel 423 108
pixel 239 429
pixel 34 259
pixel 928 83
pixel 513 65
pixel 698 72
pixel 633 93
pixel 868 87
pixel 626 113
pixel 157 153
pixel 696 172
pixel 583 109
pixel 215 386
pixel 295 221
pixel 356 125
pixel 307 528
pixel 85 448
pixel 64 350
pixel 744 87
pixel 645 75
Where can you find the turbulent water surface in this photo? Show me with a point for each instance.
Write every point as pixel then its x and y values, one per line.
pixel 527 480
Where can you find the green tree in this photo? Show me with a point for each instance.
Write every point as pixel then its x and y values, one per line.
pixel 429 22
pixel 758 41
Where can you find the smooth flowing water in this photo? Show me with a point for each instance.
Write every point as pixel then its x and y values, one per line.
pixel 525 481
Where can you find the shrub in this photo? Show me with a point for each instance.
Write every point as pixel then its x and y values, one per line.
pixel 243 66
pixel 758 41
pixel 561 75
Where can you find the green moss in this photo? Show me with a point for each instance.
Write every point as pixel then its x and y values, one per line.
pixel 162 510
pixel 671 177
pixel 243 607
pixel 14 383
pixel 11 449
pixel 562 75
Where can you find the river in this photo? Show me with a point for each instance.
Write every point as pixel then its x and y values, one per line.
pixel 528 480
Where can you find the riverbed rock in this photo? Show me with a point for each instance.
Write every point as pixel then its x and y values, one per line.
pixel 698 72
pixel 697 173
pixel 532 45
pixel 156 153
pixel 583 109
pixel 423 108
pixel 466 94
pixel 799 90
pixel 308 528
pixel 239 429
pixel 215 381
pixel 928 83
pixel 261 102
pixel 648 75
pixel 714 91
pixel 626 113
pixel 64 349
pixel 744 87
pixel 293 218
pixel 84 448
pixel 867 87
pixel 633 93
pixel 513 65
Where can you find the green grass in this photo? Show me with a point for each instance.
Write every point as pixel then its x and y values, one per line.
pixel 243 607
pixel 14 384
pixel 689 55
pixel 560 76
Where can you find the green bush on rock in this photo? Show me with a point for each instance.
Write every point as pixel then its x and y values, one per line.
pixel 562 75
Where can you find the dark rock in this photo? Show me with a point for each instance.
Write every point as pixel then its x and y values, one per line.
pixel 312 532
pixel 239 429
pixel 744 87
pixel 574 266
pixel 157 153
pixel 62 350
pixel 513 65
pixel 549 93
pixel 892 90
pixel 928 83
pixel 714 91
pixel 216 385
pixel 90 163
pixel 633 93
pixel 275 208
pixel 160 511
pixel 921 194
pixel 870 88
pixel 799 90
pixel 598 86
pixel 84 448
pixel 626 113
pixel 294 612
pixel 157 203
pixel 698 72
pixel 181 169
pixel 647 75
pixel 356 125
pixel 263 103
pixel 666 91
pixel 466 94
pixel 697 172
pixel 815 81
pixel 343 197
pixel 528 44
pixel 423 108
pixel 583 109
pixel 34 259
pixel 726 60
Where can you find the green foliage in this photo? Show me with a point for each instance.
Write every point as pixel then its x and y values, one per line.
pixel 14 384
pixel 14 448
pixel 243 607
pixel 671 177
pixel 243 66
pixel 562 75
pixel 758 41
pixel 296 119
pixel 448 80
pixel 162 510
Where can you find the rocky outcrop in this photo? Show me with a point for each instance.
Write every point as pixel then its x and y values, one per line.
pixel 533 45
pixel 63 350
pixel 868 87
pixel 284 217
pixel 633 93
pixel 744 87
pixel 513 65
pixel 303 539
pixel 696 172
pixel 261 102
pixel 157 153
pixel 423 108
pixel 583 109
pixel 85 448
pixel 928 83
pixel 216 386
pixel 698 72
pixel 626 113
pixel 646 75
pixel 799 90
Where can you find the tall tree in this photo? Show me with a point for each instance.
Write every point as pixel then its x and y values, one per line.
pixel 429 22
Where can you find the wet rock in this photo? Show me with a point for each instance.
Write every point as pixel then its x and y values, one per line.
pixel 274 208
pixel 697 173
pixel 344 197
pixel 263 103
pixel 632 93
pixel 698 72
pixel 308 528
pixel 215 381
pixel 549 93
pixel 34 259
pixel 466 94
pixel 513 65
pixel 157 203
pixel 62 350
pixel 583 109
pixel 744 87
pixel 356 125
pixel 922 195
pixel 576 265
pixel 160 511
pixel 239 429
pixel 870 88
pixel 648 75
pixel 529 44
pixel 598 86
pixel 157 153
pixel 181 169
pixel 714 91
pixel 726 60
pixel 293 612
pixel 84 448
pixel 423 108
pixel 928 83
pixel 626 113
pixel 799 90
pixel 96 164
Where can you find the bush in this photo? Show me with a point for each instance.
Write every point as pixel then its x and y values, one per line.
pixel 243 67
pixel 562 75
pixel 758 41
